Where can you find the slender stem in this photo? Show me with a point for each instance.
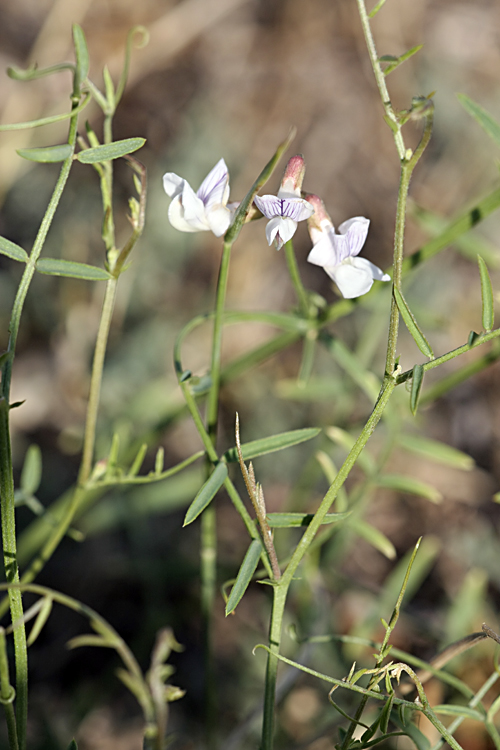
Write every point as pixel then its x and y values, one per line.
pixel 96 380
pixel 6 479
pixel 280 591
pixel 293 270
pixel 208 547
pixel 392 342
pixel 12 573
pixel 380 79
pixel 7 694
pixel 35 254
pixel 215 367
pixel 481 339
pixel 303 545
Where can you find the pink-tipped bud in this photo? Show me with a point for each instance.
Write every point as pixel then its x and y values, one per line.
pixel 293 176
pixel 320 217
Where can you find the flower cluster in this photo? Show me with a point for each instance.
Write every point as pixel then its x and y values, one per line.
pixel 336 252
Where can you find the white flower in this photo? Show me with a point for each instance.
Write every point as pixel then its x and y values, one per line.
pixel 337 253
pixel 205 210
pixel 287 208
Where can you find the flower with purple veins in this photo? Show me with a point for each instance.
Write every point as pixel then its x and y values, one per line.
pixel 285 210
pixel 205 210
pixel 337 253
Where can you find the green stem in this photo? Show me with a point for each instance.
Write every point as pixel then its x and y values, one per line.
pixel 6 479
pixel 208 548
pixel 12 573
pixel 215 367
pixel 483 338
pixel 380 79
pixel 7 694
pixel 293 270
pixel 96 380
pixel 280 591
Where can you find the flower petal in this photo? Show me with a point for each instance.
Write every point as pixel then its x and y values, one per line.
pixel 215 187
pixel 352 235
pixel 323 252
pixel 219 219
pixel 194 210
pixel 354 277
pixel 173 184
pixel 297 209
pixel 280 229
pixel 176 216
pixel 269 205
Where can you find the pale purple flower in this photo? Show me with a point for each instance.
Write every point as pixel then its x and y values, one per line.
pixel 205 210
pixel 287 208
pixel 337 252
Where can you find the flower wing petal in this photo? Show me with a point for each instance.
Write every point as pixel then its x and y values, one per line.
pixel 173 184
pixel 269 205
pixel 353 233
pixel 219 219
pixel 194 210
pixel 354 277
pixel 323 253
pixel 176 216
pixel 297 209
pixel 215 187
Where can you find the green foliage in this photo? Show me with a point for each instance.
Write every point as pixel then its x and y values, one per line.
pixel 110 150
pixel 61 267
pixel 47 154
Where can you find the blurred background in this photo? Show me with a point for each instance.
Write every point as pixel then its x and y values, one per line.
pixel 229 78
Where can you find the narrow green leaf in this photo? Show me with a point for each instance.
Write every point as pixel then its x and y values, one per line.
pixel 11 250
pixel 58 267
pixel 271 444
pixel 207 493
pixel 47 154
pixel 395 62
pixel 412 325
pixel 72 745
pixel 244 207
pixel 385 714
pixel 110 150
pixel 40 621
pixel 436 451
pixel 291 520
pixel 416 387
pixel 376 9
pixel 88 640
pixel 454 710
pixel 245 573
pixel 412 486
pixel 487 122
pixel 159 460
pixel 40 122
pixel 31 473
pixel 486 296
pixel 472 338
pixel 374 537
pixel 109 86
pixel 411 730
pixel 82 56
pixel 138 460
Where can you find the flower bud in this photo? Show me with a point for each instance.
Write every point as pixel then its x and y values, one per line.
pixel 293 177
pixel 320 219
